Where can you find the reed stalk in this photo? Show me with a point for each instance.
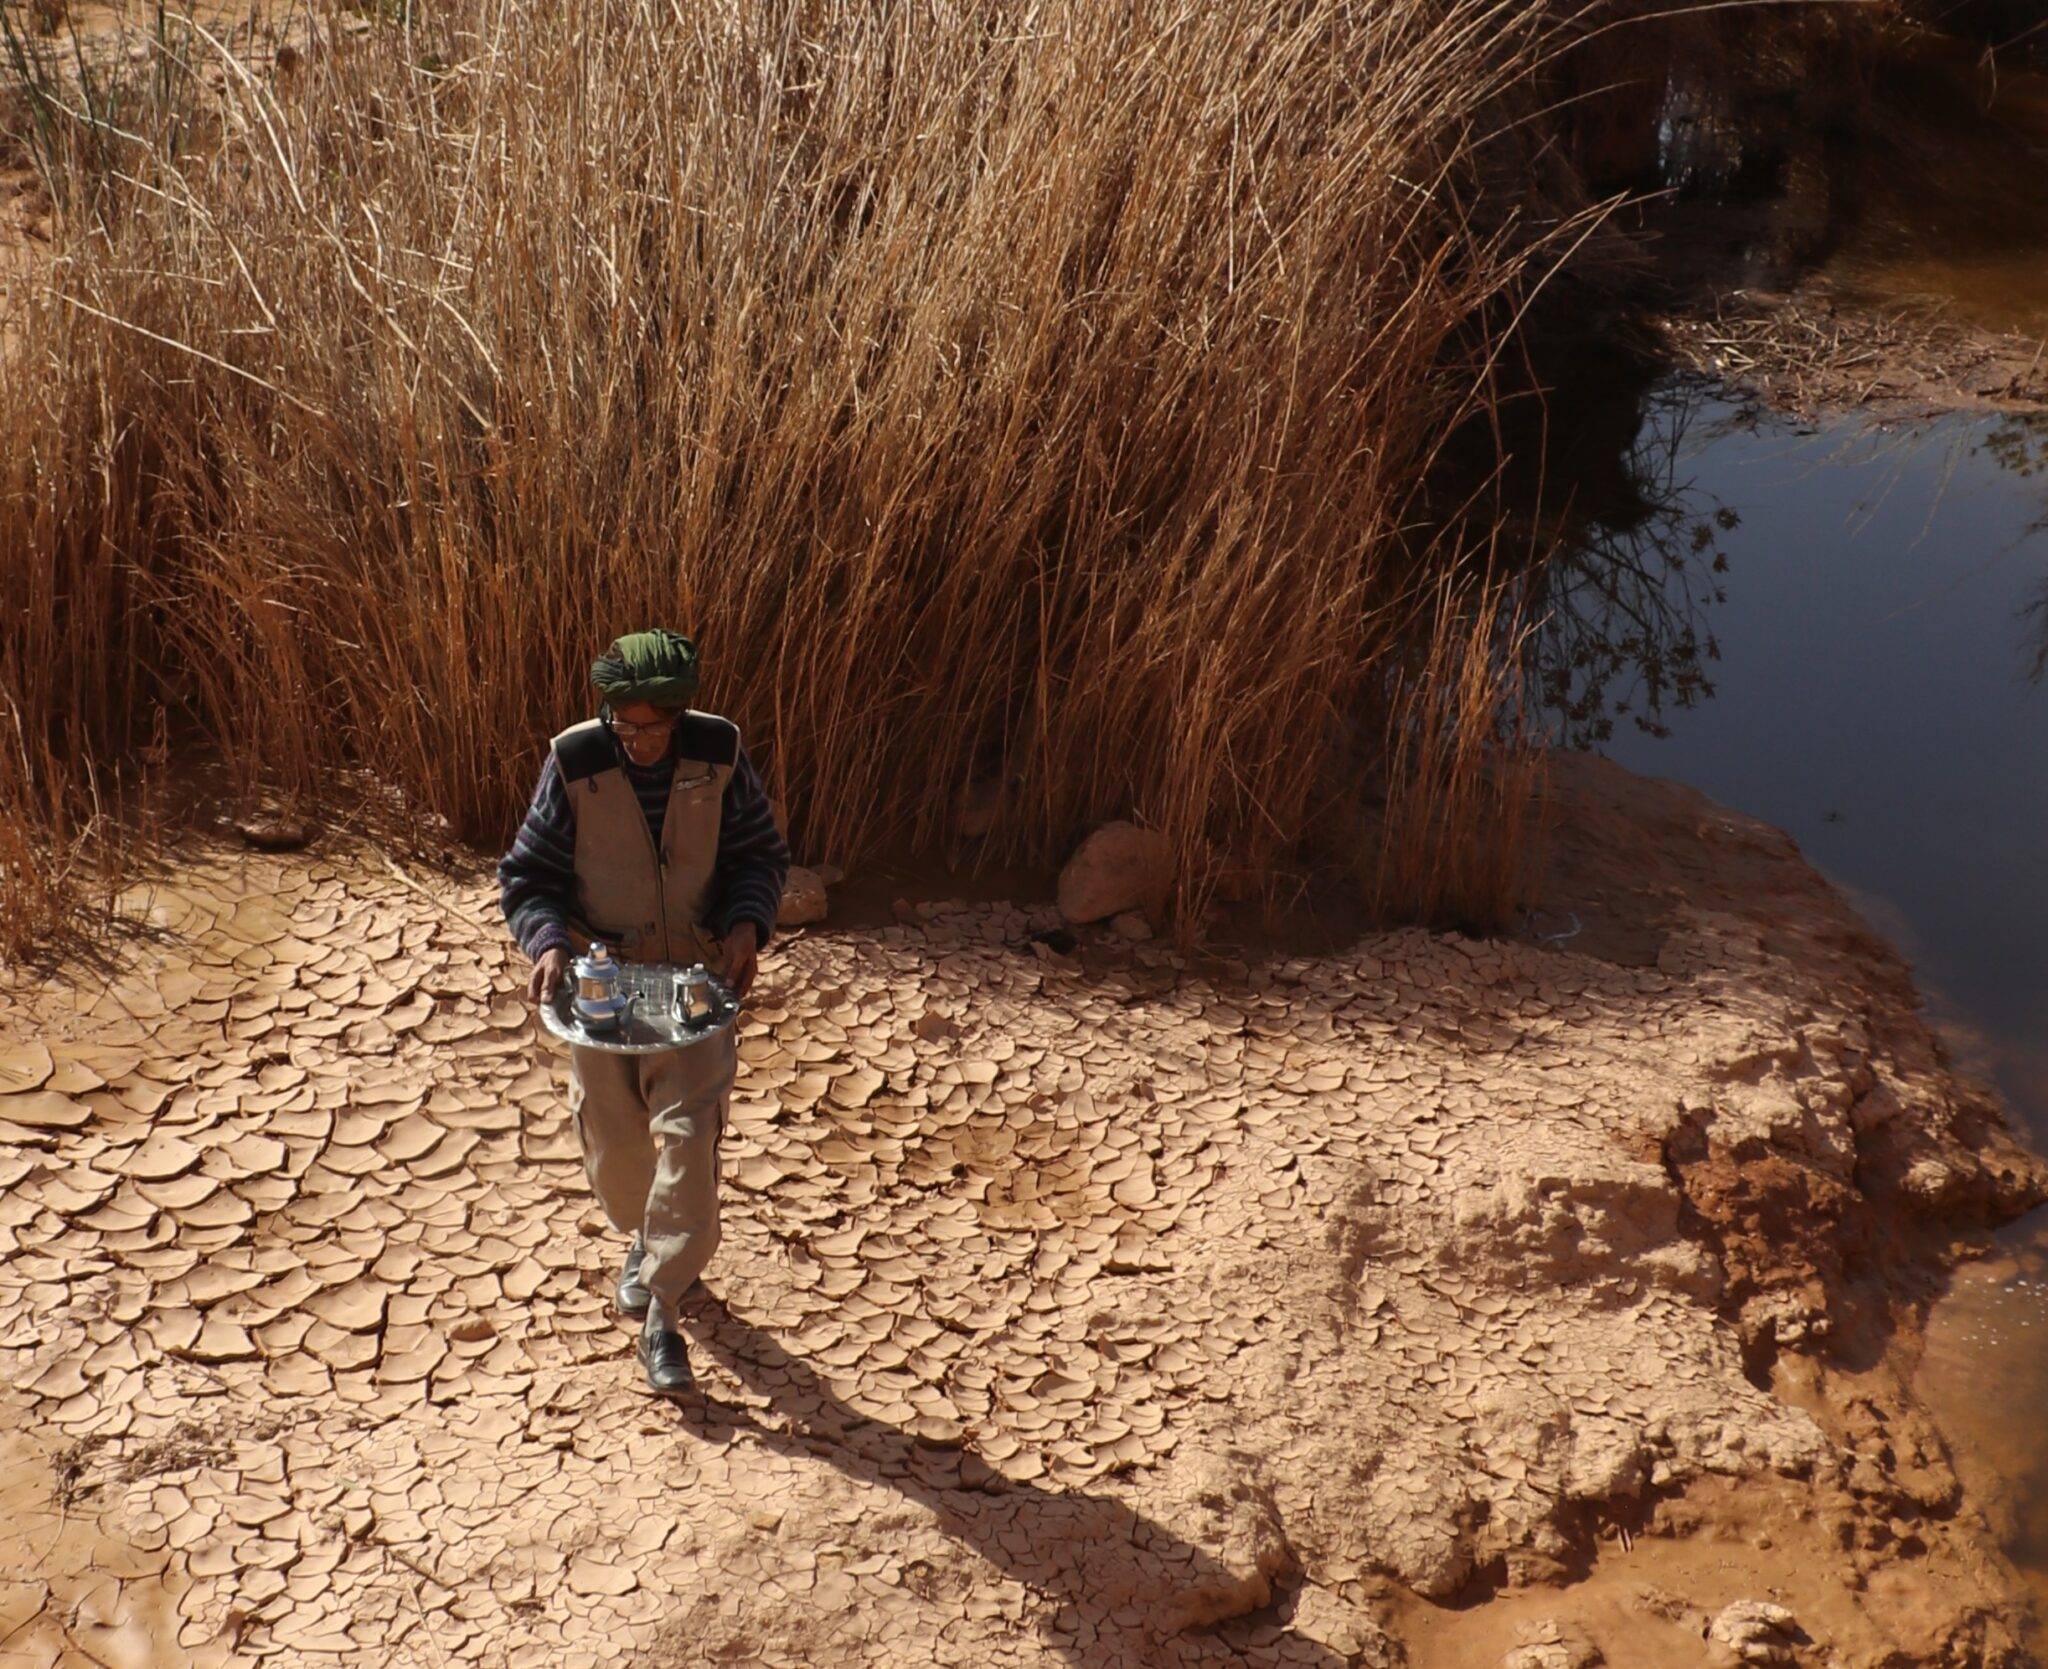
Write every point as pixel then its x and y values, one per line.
pixel 1040 391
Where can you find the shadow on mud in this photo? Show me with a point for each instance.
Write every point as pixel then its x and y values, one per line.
pixel 1109 1581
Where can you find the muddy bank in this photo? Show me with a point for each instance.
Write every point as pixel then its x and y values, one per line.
pixel 1401 1304
pixel 1813 350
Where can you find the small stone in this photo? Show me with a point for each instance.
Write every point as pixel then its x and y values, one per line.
pixel 1120 867
pixel 270 831
pixel 803 898
pixel 1755 1631
pixel 1132 925
pixel 1930 1182
pixel 980 810
pixel 1549 1645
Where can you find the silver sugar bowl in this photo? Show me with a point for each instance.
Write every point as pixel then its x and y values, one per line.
pixel 601 1000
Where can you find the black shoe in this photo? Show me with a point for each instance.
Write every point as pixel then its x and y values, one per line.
pixel 666 1361
pixel 631 1292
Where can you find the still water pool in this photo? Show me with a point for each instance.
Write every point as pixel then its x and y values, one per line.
pixel 1878 691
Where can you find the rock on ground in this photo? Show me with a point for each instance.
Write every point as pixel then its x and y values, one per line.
pixel 1547 1646
pixel 1118 868
pixel 275 832
pixel 803 898
pixel 1120 1308
pixel 980 810
pixel 1755 1631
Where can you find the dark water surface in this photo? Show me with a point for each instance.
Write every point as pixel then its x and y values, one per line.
pixel 1847 642
pixel 1877 692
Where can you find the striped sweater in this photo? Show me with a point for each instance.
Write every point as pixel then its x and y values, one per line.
pixel 535 878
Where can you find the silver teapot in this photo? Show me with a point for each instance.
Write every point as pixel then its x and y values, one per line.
pixel 601 1000
pixel 696 999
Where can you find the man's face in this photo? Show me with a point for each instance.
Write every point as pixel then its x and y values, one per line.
pixel 644 730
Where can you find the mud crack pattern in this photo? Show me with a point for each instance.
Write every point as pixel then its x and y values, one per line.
pixel 1096 1310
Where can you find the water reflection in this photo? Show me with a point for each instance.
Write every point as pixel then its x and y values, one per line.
pixel 1622 606
pixel 2019 442
pixel 1625 607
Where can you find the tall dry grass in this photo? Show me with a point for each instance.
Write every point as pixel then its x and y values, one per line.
pixel 1462 782
pixel 1039 390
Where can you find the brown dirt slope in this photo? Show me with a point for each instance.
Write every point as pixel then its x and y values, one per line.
pixel 1103 1309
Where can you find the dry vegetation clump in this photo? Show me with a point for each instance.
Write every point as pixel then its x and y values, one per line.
pixel 1035 391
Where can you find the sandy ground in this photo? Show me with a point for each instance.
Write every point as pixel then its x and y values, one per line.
pixel 1423 1303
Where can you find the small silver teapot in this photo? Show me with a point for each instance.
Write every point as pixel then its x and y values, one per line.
pixel 696 1002
pixel 601 1001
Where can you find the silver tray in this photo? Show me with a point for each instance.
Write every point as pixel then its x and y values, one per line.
pixel 649 1025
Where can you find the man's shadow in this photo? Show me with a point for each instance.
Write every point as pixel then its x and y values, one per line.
pixel 1090 1556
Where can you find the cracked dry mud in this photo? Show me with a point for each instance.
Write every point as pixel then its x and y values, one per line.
pixel 1115 1308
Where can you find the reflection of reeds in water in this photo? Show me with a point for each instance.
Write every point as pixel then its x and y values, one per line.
pixel 2019 442
pixel 1618 610
pixel 1037 395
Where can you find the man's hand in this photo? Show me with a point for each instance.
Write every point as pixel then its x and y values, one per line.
pixel 742 956
pixel 549 970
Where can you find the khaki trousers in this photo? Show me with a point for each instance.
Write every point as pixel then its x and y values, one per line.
pixel 650 1125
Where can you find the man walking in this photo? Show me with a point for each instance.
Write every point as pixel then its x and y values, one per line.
pixel 650 832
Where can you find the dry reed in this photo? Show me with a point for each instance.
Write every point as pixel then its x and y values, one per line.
pixel 1463 776
pixel 1036 391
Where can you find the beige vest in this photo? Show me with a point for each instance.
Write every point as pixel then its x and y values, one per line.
pixel 644 901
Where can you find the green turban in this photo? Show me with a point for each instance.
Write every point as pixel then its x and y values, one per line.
pixel 657 666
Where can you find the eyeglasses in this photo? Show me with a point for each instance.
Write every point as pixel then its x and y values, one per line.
pixel 627 731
